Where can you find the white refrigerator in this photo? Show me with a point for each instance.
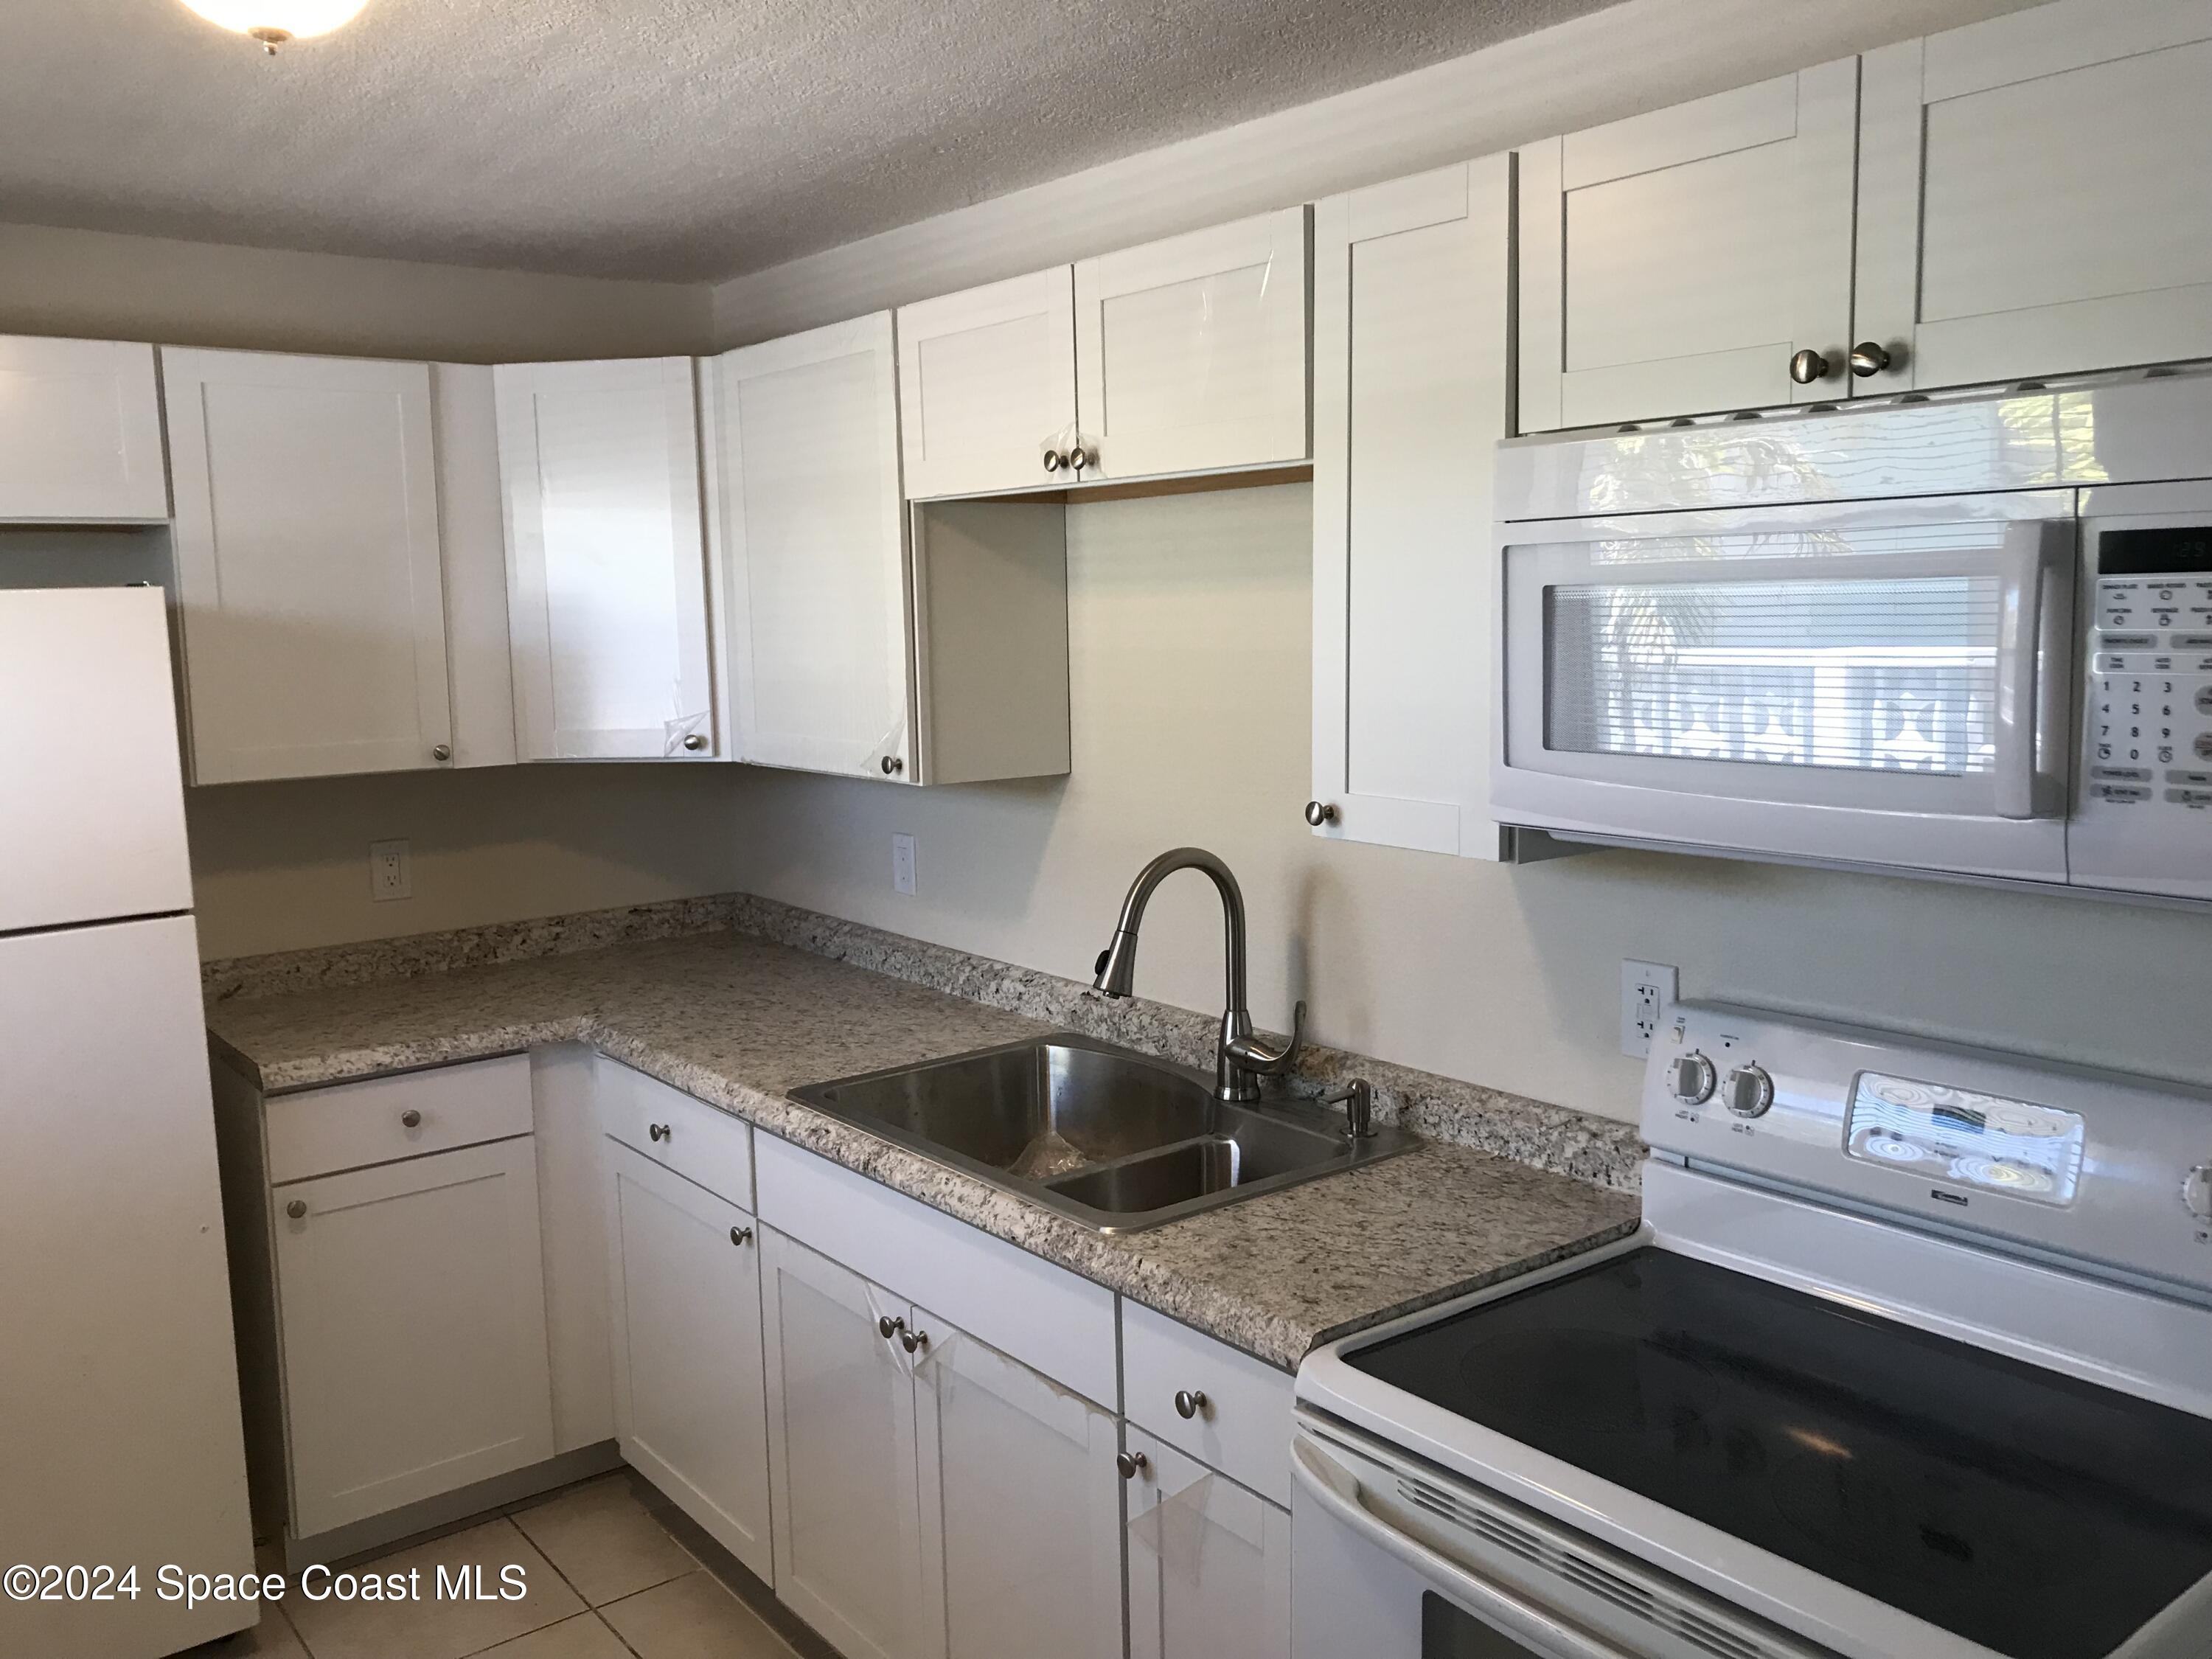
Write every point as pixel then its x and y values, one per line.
pixel 120 1443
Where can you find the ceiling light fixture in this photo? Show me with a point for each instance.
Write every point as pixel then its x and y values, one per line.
pixel 274 22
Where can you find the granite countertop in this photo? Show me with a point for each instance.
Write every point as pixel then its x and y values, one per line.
pixel 737 1022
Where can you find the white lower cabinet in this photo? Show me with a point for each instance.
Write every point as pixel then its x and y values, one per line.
pixel 1021 1510
pixel 411 1299
pixel 847 1515
pixel 690 1410
pixel 1209 1563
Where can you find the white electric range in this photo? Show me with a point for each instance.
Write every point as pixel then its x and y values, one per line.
pixel 1912 1356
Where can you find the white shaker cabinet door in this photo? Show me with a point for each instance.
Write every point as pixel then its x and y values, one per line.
pixel 1190 354
pixel 309 564
pixel 2032 195
pixel 690 1406
pixel 1410 396
pixel 812 528
pixel 1674 262
pixel 847 1523
pixel 607 572
pixel 80 432
pixel 412 1297
pixel 1209 1563
pixel 987 386
pixel 1021 1506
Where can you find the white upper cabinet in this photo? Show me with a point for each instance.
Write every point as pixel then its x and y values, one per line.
pixel 987 385
pixel 307 561
pixel 1410 395
pixel 1190 354
pixel 1676 261
pixel 2032 194
pixel 80 432
pixel 607 572
pixel 804 439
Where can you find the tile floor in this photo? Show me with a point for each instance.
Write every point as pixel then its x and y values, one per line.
pixel 606 1581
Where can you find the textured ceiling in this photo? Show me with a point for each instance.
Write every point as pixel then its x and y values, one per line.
pixel 677 139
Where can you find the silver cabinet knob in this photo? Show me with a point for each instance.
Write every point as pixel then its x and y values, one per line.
pixel 1052 461
pixel 411 1119
pixel 1131 1464
pixel 741 1236
pixel 1320 812
pixel 1869 357
pixel 912 1341
pixel 1189 1402
pixel 1693 1079
pixel 2197 1192
pixel 1808 366
pixel 893 765
pixel 1079 457
pixel 1748 1091
pixel 695 742
pixel 441 752
pixel 656 1131
pixel 297 1209
pixel 888 1327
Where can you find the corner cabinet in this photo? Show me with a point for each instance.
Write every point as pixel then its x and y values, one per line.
pixel 1675 263
pixel 1411 392
pixel 80 433
pixel 309 564
pixel 1190 354
pixel 607 563
pixel 803 448
pixel 2032 196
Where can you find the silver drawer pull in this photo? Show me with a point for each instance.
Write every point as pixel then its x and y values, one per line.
pixel 741 1236
pixel 1131 1464
pixel 888 1327
pixel 297 1209
pixel 656 1130
pixel 411 1119
pixel 913 1340
pixel 1189 1402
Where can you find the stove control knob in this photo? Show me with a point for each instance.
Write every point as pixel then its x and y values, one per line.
pixel 2197 1192
pixel 1692 1077
pixel 1748 1091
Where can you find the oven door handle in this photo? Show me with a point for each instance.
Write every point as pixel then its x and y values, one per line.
pixel 1337 1490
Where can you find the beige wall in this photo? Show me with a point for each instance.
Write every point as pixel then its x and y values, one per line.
pixel 1189 631
pixel 144 287
pixel 280 866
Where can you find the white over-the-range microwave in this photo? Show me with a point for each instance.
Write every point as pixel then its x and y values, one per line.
pixel 1967 635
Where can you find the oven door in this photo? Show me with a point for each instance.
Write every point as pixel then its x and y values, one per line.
pixel 1393 1560
pixel 1886 683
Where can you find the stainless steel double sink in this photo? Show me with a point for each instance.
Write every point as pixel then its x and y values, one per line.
pixel 1114 1139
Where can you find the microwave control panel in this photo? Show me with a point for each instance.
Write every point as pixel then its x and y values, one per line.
pixel 2143 820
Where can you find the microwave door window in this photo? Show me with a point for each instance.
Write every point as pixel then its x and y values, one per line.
pixel 1896 674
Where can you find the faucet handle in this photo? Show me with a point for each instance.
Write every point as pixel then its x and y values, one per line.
pixel 1271 1062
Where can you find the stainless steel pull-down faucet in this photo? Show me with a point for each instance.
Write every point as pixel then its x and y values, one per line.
pixel 1239 1063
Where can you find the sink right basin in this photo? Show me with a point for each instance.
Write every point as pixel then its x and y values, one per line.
pixel 1118 1141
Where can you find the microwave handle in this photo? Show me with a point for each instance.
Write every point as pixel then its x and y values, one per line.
pixel 1336 1490
pixel 2032 681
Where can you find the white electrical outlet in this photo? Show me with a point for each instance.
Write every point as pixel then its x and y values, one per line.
pixel 1648 990
pixel 389 875
pixel 903 864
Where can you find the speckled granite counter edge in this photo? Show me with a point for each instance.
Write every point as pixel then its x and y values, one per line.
pixel 1604 1151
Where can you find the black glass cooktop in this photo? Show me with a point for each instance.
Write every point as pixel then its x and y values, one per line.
pixel 2040 1516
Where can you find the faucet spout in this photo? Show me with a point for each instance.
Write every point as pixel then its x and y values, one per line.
pixel 1239 1061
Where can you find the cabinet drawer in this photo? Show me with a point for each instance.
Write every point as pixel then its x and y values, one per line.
pixel 1242 1429
pixel 355 1124
pixel 689 1136
pixel 1021 1304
